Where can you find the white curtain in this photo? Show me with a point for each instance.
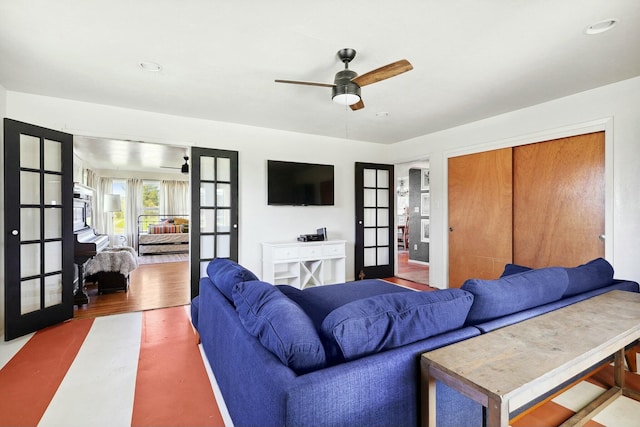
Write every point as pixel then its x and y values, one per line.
pixel 174 197
pixel 92 179
pixel 103 220
pixel 132 210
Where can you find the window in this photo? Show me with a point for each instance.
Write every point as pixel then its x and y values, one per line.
pixel 150 203
pixel 118 218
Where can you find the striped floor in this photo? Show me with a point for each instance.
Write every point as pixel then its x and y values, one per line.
pixel 134 369
pixel 144 369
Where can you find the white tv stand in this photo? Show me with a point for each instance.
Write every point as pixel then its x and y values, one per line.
pixel 304 264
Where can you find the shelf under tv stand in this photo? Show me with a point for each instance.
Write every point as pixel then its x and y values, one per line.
pixel 304 264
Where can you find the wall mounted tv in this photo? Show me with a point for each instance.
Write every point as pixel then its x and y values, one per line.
pixel 299 184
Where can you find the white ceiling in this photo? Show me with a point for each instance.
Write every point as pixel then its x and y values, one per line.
pixel 472 59
pixel 137 156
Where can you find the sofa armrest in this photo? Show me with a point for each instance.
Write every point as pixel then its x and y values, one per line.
pixel 252 380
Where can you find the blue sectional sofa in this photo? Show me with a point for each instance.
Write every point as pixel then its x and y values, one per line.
pixel 348 354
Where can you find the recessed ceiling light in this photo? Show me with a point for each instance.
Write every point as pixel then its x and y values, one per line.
pixel 601 26
pixel 150 66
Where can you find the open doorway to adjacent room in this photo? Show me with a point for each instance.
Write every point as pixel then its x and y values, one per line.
pixel 151 186
pixel 413 203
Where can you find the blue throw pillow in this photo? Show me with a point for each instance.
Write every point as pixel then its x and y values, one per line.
pixel 319 301
pixel 225 274
pixel 587 277
pixel 517 292
pixel 387 321
pixel 280 325
pixel 510 269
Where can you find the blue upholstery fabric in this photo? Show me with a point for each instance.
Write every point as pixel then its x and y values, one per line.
pixel 378 390
pixel 616 285
pixel 382 322
pixel 510 294
pixel 319 301
pixel 225 274
pixel 381 389
pixel 586 277
pixel 195 306
pixel 456 410
pixel 280 325
pixel 258 390
pixel 510 269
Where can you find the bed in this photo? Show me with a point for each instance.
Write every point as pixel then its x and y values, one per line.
pixel 163 234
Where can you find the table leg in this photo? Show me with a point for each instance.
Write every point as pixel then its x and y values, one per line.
pixel 618 368
pixel 497 413
pixel 428 397
pixel 632 360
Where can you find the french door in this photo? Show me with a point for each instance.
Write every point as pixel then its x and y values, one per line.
pixel 214 210
pixel 38 192
pixel 375 230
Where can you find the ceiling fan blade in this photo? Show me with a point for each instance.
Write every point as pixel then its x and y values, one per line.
pixel 382 73
pixel 305 83
pixel 358 105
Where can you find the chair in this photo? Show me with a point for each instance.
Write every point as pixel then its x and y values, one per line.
pixel 403 235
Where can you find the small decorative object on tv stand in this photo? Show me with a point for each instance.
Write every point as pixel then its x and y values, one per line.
pixel 304 264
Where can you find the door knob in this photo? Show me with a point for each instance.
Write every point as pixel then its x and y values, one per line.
pixel 450 228
pixel 14 232
pixel 602 237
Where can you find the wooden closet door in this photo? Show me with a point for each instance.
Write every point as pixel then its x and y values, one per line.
pixel 480 215
pixel 559 201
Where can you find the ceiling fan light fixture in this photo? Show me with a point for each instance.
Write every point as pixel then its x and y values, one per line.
pixel 185 167
pixel 346 94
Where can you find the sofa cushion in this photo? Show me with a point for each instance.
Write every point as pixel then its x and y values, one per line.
pixel 280 325
pixel 225 274
pixel 319 301
pixel 587 277
pixel 388 321
pixel 510 269
pixel 517 292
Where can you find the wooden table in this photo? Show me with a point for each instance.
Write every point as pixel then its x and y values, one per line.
pixel 512 367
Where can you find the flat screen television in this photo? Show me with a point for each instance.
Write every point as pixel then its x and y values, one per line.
pixel 299 184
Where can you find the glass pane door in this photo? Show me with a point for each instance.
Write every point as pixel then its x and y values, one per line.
pixel 374 221
pixel 39 247
pixel 215 210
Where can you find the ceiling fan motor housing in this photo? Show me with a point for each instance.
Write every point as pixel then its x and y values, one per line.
pixel 344 85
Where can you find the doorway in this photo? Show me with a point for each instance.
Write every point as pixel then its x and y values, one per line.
pixel 114 168
pixel 412 220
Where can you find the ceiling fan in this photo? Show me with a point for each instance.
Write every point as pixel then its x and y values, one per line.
pixel 347 83
pixel 184 168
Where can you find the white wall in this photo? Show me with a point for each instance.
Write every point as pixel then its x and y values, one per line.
pixel 3 113
pixel 614 108
pixel 258 222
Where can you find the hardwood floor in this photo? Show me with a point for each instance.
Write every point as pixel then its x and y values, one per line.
pixel 410 270
pixel 151 286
